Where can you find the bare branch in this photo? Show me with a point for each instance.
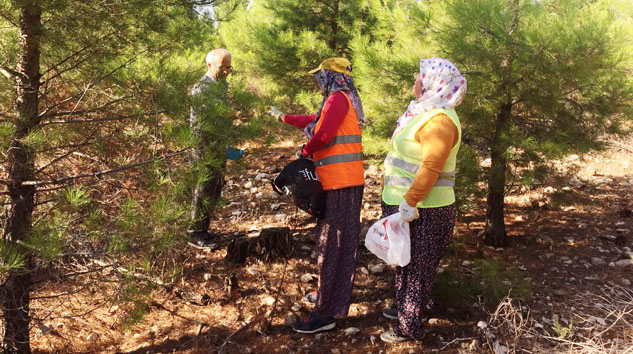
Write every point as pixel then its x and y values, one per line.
pixel 6 116
pixel 46 113
pixel 75 65
pixel 65 100
pixel 97 80
pixel 60 63
pixel 69 146
pixel 98 120
pixel 98 174
pixel 90 136
pixel 11 74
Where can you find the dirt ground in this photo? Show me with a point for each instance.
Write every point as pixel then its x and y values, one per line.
pixel 565 239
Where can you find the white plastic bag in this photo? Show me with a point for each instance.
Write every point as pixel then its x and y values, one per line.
pixel 389 239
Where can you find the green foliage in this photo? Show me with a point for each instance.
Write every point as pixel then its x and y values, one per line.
pixel 491 281
pixel 129 228
pixel 49 236
pixel 6 130
pixel 467 190
pixel 116 80
pixel 386 59
pixel 494 272
pixel 564 332
pixel 554 61
pixel 375 146
pixel 76 197
pixel 280 41
pixel 138 294
pixel 11 257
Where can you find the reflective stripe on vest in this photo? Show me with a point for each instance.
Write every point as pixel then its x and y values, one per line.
pixel 401 164
pixel 357 156
pixel 345 139
pixel 404 162
pixel 340 163
pixel 446 179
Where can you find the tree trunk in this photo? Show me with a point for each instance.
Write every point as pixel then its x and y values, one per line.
pixel 334 27
pixel 21 168
pixel 271 244
pixel 495 225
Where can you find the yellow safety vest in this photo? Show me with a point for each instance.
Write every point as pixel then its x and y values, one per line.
pixel 405 159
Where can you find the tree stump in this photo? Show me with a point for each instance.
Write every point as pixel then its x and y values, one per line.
pixel 270 244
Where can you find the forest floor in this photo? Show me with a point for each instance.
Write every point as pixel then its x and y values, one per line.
pixel 569 240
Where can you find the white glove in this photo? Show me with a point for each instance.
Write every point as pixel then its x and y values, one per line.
pixel 275 112
pixel 408 213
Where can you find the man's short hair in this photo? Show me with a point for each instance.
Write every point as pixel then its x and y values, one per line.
pixel 216 53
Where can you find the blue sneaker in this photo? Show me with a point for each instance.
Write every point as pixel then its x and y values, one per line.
pixel 315 323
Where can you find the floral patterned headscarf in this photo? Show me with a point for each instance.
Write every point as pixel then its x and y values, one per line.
pixel 443 86
pixel 330 82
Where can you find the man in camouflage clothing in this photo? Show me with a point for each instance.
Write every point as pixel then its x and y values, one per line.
pixel 208 157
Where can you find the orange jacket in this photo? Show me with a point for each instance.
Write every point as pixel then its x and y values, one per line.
pixel 340 163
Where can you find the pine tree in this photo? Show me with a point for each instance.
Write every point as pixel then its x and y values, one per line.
pixel 544 78
pixel 94 106
pixel 385 63
pixel 283 40
pixel 386 60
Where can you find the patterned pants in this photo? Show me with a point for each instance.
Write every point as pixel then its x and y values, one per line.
pixel 338 234
pixel 431 234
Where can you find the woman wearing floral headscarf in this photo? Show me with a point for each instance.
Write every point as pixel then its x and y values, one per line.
pixel 334 134
pixel 419 180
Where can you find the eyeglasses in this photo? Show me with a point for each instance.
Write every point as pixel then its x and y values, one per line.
pixel 229 68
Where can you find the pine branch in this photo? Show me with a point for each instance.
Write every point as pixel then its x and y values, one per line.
pixel 65 100
pixel 98 80
pixel 46 113
pixel 8 19
pixel 61 72
pixel 78 63
pixel 69 146
pixel 60 63
pixel 327 4
pixel 98 174
pixel 90 136
pixel 98 120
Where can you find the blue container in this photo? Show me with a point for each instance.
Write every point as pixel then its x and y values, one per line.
pixel 233 153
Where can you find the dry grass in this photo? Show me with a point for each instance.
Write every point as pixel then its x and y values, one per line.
pixel 607 329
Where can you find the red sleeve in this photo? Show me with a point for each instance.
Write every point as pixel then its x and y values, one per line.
pixel 298 121
pixel 334 112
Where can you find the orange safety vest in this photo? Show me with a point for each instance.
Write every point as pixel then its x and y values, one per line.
pixel 340 163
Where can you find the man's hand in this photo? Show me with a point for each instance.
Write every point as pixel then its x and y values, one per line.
pixel 408 213
pixel 275 112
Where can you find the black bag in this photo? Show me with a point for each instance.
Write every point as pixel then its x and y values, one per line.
pixel 299 179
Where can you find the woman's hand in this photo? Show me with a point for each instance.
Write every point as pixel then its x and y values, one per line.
pixel 275 112
pixel 408 213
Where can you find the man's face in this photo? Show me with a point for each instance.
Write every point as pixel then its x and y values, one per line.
pixel 221 67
